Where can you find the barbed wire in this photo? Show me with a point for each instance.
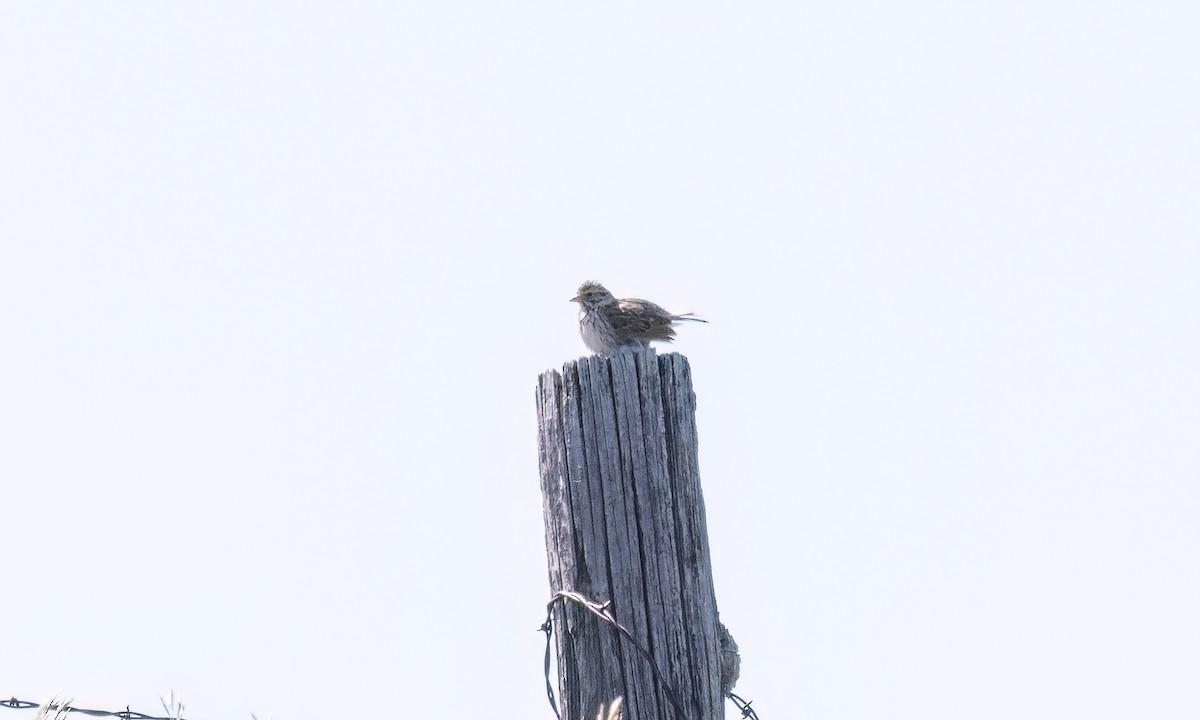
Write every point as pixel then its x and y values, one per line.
pixel 602 611
pixel 125 714
pixel 744 705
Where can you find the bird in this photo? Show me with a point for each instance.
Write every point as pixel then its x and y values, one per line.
pixel 609 325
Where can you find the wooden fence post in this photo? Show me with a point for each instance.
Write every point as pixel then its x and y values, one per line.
pixel 624 520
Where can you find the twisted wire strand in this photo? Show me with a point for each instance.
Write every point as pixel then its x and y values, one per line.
pixel 603 612
pixel 125 714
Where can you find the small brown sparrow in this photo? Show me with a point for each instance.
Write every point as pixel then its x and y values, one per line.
pixel 609 325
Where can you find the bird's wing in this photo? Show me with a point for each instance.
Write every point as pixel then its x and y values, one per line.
pixel 643 320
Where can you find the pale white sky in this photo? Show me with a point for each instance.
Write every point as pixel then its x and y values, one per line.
pixel 276 281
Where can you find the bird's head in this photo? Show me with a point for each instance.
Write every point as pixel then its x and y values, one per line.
pixel 592 294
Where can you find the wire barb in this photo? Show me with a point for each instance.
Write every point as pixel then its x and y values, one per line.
pixel 744 706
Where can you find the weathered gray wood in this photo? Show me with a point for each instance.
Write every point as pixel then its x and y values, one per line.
pixel 624 520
